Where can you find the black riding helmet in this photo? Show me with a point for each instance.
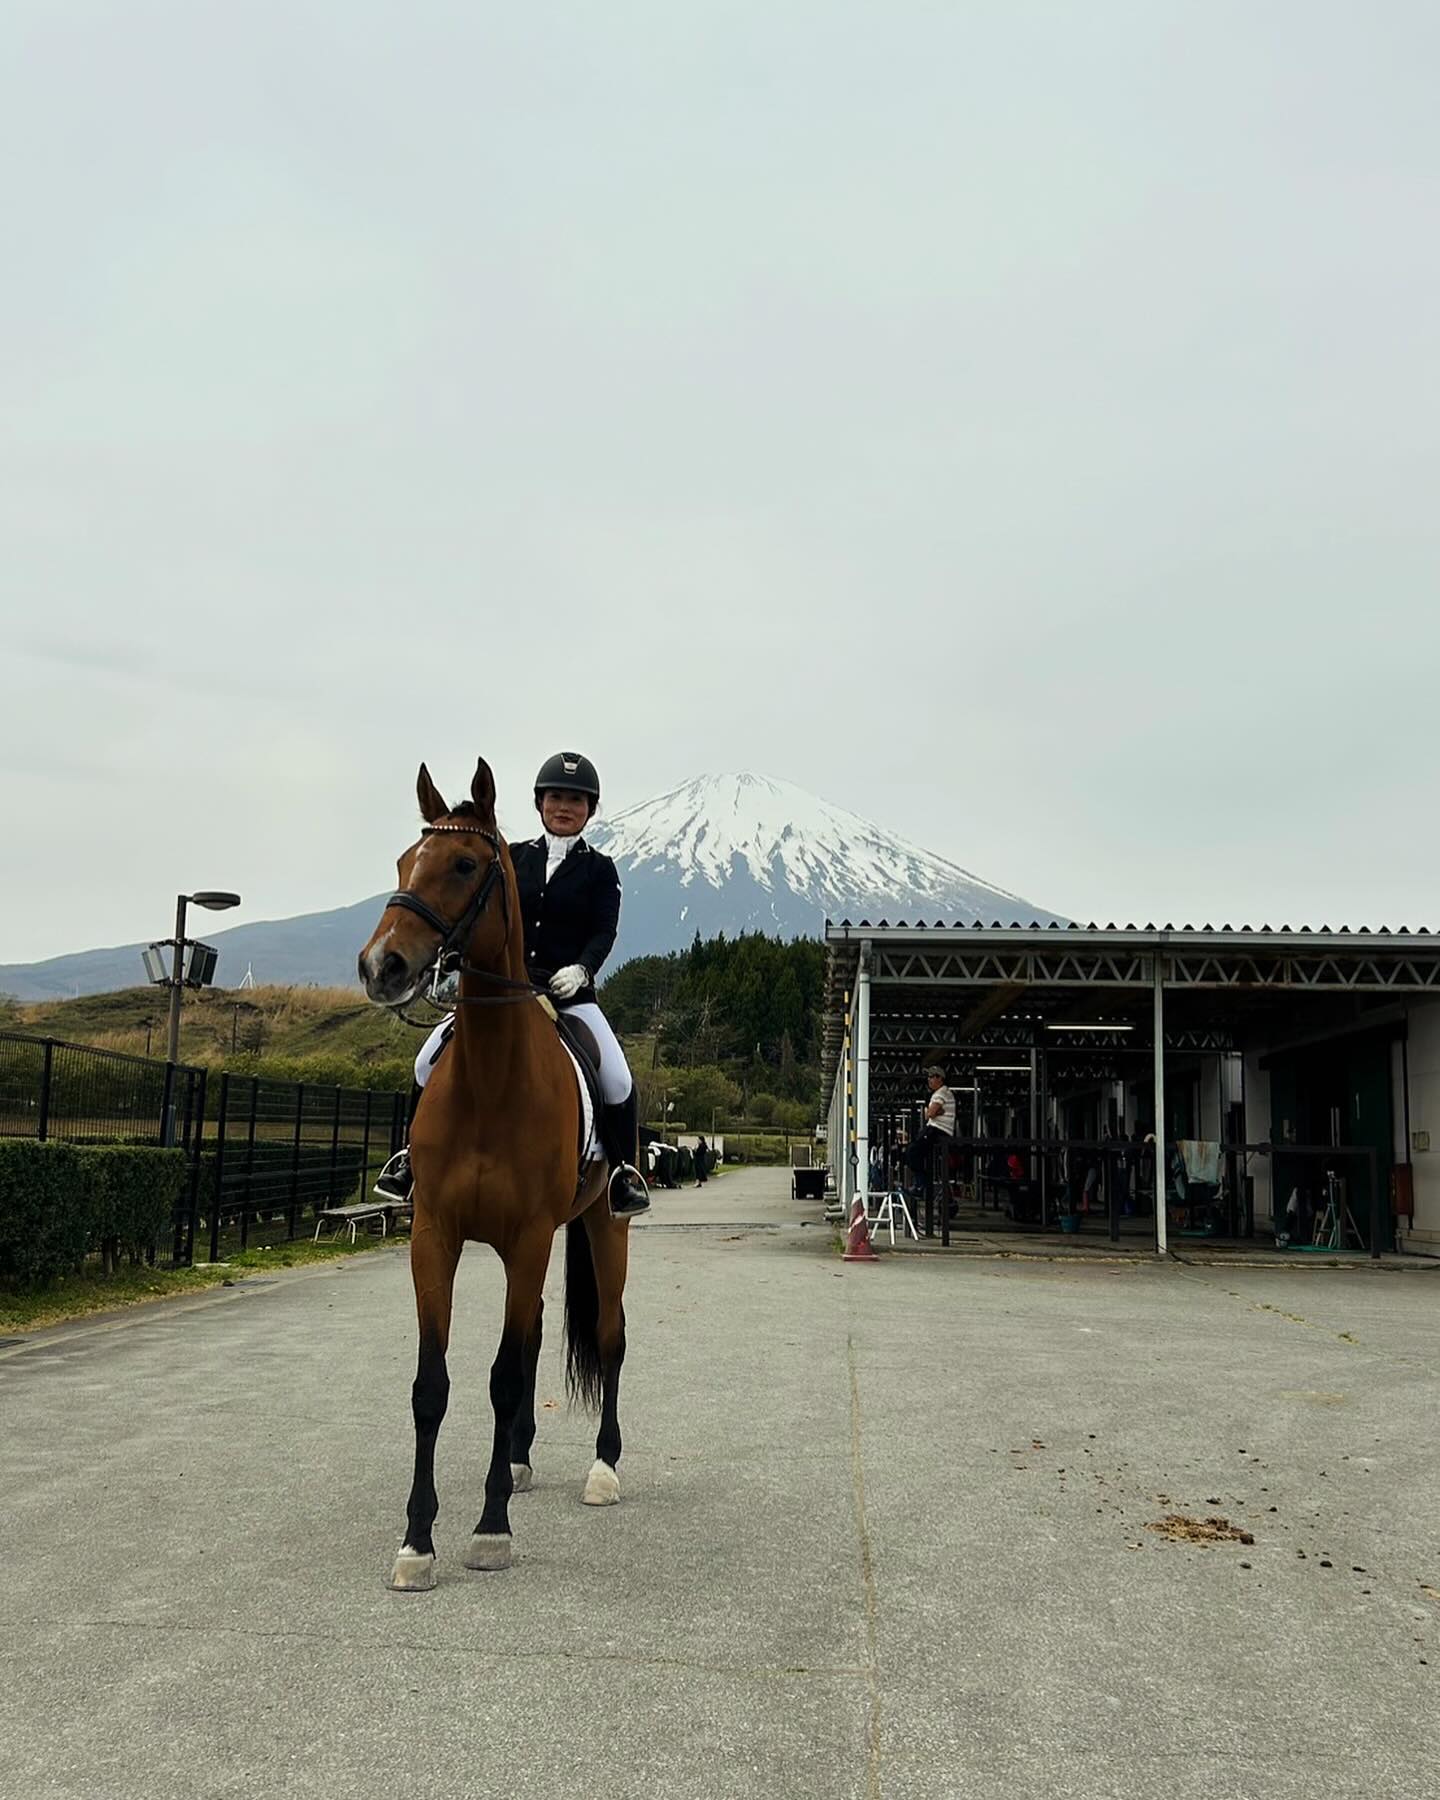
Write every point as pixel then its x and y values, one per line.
pixel 571 771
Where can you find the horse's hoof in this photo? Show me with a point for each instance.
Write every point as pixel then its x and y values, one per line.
pixel 522 1478
pixel 414 1572
pixel 602 1486
pixel 489 1550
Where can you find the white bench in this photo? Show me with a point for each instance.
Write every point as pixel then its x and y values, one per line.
pixel 363 1212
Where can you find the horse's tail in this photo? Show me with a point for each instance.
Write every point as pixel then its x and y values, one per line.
pixel 582 1318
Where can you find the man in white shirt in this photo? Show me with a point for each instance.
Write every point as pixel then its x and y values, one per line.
pixel 936 1134
pixel 940 1112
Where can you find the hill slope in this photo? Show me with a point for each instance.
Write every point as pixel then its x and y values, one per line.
pixel 273 1021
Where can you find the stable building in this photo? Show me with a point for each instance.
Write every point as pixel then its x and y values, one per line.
pixel 1294 1075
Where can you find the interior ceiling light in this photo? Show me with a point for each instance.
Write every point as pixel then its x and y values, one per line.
pixel 1002 1068
pixel 1096 1025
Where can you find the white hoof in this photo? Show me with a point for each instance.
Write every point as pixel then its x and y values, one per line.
pixel 414 1573
pixel 522 1477
pixel 490 1550
pixel 602 1486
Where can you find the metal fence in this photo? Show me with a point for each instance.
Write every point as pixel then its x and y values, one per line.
pixel 78 1095
pixel 1343 1181
pixel 276 1152
pixel 265 1156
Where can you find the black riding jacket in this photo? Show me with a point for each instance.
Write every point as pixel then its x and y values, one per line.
pixel 571 919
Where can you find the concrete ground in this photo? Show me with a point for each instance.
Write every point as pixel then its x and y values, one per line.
pixel 885 1532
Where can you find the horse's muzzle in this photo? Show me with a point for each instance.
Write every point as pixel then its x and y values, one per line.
pixel 386 975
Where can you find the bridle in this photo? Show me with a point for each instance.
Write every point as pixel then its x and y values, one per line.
pixel 449 955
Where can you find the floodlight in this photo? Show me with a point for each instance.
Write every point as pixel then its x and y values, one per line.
pixel 200 964
pixel 155 969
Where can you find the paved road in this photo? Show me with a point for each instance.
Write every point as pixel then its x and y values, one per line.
pixel 884 1534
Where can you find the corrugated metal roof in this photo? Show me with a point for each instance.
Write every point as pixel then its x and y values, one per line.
pixel 837 931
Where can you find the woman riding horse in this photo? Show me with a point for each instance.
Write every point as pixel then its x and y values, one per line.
pixel 570 905
pixel 499 1160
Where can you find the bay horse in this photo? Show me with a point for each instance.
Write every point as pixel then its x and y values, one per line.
pixel 495 1153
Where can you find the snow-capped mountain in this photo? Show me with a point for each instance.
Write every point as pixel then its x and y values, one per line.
pixel 727 853
pixel 748 853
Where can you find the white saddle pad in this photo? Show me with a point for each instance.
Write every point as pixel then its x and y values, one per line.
pixel 592 1151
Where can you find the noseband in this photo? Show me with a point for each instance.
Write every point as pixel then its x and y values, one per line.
pixel 450 952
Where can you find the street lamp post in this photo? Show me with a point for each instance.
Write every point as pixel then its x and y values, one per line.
pixel 212 902
pixel 177 975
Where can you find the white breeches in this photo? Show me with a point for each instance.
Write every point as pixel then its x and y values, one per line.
pixel 615 1079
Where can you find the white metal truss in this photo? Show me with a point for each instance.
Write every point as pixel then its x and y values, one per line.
pixel 920 977
pixel 1120 969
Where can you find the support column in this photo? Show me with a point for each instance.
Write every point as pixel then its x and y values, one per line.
pixel 1034 1126
pixel 862 1071
pixel 845 1180
pixel 834 1141
pixel 1161 1229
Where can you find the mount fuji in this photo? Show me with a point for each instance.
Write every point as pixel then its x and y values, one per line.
pixel 727 853
pixel 737 853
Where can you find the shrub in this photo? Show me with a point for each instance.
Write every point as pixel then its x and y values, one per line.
pixel 746 1149
pixel 390 1074
pixel 795 1117
pixel 58 1202
pixel 134 1196
pixel 47 1211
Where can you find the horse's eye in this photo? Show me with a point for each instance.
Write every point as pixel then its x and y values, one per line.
pixel 465 865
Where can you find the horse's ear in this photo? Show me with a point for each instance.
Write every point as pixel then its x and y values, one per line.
pixel 482 792
pixel 432 806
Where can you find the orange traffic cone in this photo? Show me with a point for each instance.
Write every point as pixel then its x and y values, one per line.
pixel 858 1247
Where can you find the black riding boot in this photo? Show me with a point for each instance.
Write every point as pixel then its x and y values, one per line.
pixel 620 1140
pixel 395 1180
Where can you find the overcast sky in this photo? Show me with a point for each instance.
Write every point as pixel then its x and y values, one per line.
pixel 1017 422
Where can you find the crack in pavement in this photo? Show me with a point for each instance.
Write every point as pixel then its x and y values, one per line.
pixel 1351 1342
pixel 867 1576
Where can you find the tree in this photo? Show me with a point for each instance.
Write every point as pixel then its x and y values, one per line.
pixel 794 1115
pixel 750 1004
pixel 703 1094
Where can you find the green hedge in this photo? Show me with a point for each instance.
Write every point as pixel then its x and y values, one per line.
pixel 60 1202
pixel 329 1069
pixel 135 1193
pixel 47 1211
pixel 746 1149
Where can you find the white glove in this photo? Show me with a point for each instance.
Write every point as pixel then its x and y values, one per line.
pixel 567 982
